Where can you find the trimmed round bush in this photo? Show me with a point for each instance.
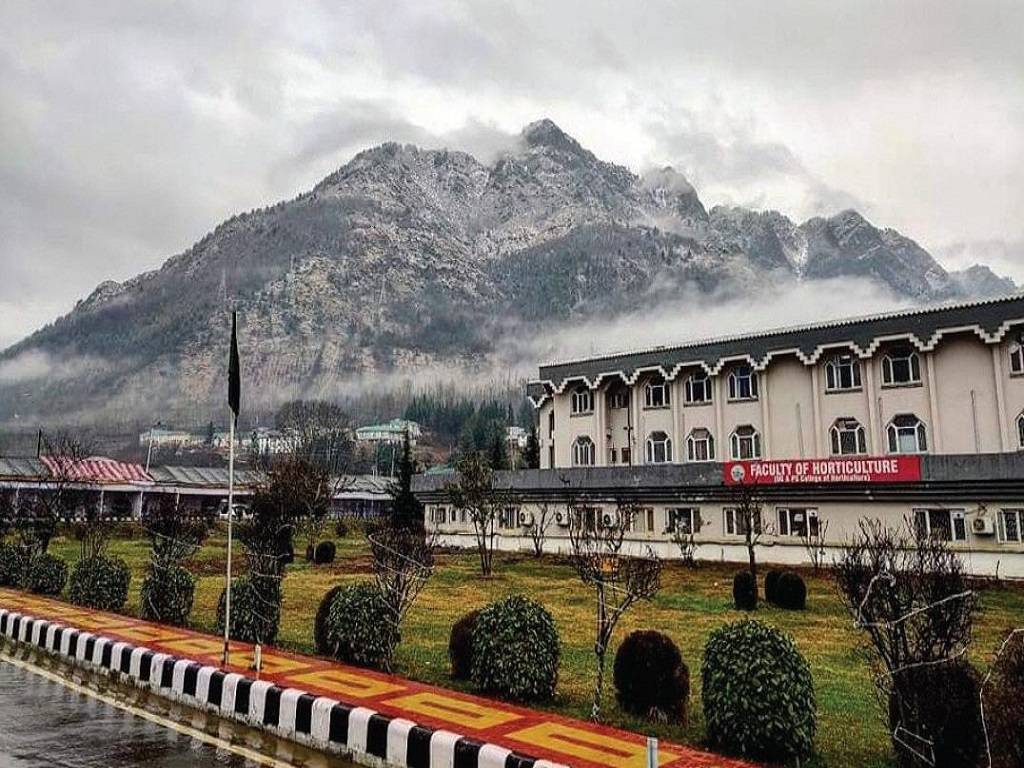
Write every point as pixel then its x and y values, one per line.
pixel 47 575
pixel 320 639
pixel 757 693
pixel 324 553
pixel 940 703
pixel 1004 704
pixel 167 595
pixel 650 677
pixel 744 591
pixel 358 627
pixel 255 609
pixel 12 565
pixel 791 592
pixel 460 646
pixel 771 580
pixel 100 582
pixel 516 650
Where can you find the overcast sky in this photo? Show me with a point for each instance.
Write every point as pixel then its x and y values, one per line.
pixel 128 130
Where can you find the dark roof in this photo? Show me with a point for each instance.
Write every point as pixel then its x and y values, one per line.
pixel 923 326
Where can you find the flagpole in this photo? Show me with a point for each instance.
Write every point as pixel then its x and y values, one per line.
pixel 231 515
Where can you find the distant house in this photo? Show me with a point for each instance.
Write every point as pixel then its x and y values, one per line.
pixel 272 441
pixel 516 437
pixel 168 438
pixel 390 432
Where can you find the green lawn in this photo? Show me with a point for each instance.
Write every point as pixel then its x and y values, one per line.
pixel 851 731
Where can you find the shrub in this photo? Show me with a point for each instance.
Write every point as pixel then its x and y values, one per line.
pixel 460 646
pixel 1004 704
pixel 791 592
pixel 744 591
pixel 47 575
pixel 771 581
pixel 650 676
pixel 358 627
pixel 100 582
pixel 757 694
pixel 938 703
pixel 310 552
pixel 12 565
pixel 516 650
pixel 167 595
pixel 341 528
pixel 320 639
pixel 324 553
pixel 255 609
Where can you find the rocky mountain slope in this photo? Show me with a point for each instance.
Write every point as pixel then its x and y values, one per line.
pixel 406 257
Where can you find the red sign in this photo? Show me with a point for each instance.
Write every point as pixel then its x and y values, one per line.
pixel 861 469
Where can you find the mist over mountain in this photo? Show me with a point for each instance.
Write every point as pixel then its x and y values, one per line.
pixel 406 259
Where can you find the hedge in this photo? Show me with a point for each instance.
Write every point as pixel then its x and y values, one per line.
pixel 100 582
pixel 744 591
pixel 167 595
pixel 516 650
pixel 47 575
pixel 460 646
pixel 358 627
pixel 650 676
pixel 255 609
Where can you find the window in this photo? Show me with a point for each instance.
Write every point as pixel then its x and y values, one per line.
pixel 1010 525
pixel 642 520
pixel 618 400
pixel 847 438
pixel 439 515
pixel 684 520
pixel 698 388
pixel 659 448
pixel 583 452
pixel 1020 431
pixel 746 443
pixel 551 456
pixel 798 522
pixel 700 445
pixel 508 517
pixel 907 434
pixel 1016 358
pixel 656 394
pixel 742 383
pixel 582 401
pixel 842 372
pixel 941 524
pixel 551 424
pixel 736 522
pixel 454 515
pixel 901 366
pixel 625 456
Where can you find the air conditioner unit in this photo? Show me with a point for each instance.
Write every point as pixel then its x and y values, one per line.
pixel 562 518
pixel 609 519
pixel 983 526
pixel 525 518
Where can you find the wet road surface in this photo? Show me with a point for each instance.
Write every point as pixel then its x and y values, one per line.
pixel 45 723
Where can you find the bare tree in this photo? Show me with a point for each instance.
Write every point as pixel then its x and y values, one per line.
pixel 908 592
pixel 543 516
pixel 749 521
pixel 618 581
pixel 474 493
pixel 319 432
pixel 684 538
pixel 814 540
pixel 403 561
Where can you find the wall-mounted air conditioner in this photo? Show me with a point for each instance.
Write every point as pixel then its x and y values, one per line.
pixel 983 526
pixel 525 518
pixel 562 518
pixel 609 519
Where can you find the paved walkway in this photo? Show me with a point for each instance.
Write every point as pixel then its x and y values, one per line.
pixel 538 734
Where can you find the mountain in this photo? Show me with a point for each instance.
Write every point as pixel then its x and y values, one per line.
pixel 407 257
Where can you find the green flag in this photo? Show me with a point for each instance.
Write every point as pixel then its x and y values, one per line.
pixel 234 375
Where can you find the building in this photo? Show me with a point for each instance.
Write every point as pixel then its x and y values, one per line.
pixel 391 433
pixel 915 415
pixel 516 438
pixel 168 438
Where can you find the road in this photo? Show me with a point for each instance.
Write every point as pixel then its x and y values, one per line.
pixel 45 721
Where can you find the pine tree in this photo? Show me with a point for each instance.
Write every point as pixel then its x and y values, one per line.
pixel 531 454
pixel 406 510
pixel 498 453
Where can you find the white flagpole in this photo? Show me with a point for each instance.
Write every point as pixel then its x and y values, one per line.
pixel 231 515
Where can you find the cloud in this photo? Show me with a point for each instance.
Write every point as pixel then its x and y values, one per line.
pixel 1003 257
pixel 34 365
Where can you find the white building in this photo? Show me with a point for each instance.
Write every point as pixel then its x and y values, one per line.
pixel 391 432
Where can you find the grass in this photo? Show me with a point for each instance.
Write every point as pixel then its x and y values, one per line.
pixel 691 603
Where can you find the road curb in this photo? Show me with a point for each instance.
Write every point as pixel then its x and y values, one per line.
pixel 361 734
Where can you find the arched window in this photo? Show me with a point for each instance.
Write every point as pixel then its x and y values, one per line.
pixel 847 438
pixel 659 448
pixel 1020 431
pixel 742 383
pixel 907 434
pixel 746 443
pixel 901 366
pixel 583 452
pixel 582 400
pixel 698 388
pixel 842 372
pixel 700 445
pixel 656 394
pixel 1016 358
